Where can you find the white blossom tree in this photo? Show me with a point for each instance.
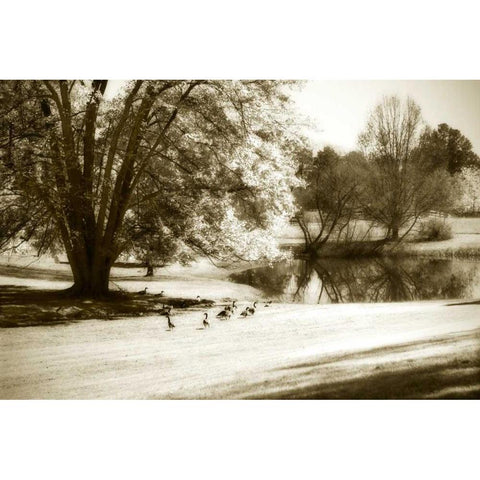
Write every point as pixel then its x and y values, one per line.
pixel 468 183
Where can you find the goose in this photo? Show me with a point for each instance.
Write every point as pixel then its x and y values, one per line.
pixel 170 324
pixel 198 299
pixel 162 293
pixel 205 322
pixel 251 310
pixel 143 292
pixel 165 310
pixel 244 313
pixel 232 307
pixel 268 303
pixel 224 314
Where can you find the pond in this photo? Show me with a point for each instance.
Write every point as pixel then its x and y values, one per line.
pixel 365 280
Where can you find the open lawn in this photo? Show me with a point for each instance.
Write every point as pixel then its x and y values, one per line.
pixel 397 350
pixel 408 350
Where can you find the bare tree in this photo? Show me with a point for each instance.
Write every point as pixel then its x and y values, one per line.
pixel 396 187
pixel 327 202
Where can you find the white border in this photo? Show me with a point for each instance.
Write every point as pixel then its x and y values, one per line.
pixel 372 39
pixel 239 439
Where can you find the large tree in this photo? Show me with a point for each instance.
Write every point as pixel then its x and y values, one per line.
pixel 397 186
pixel 211 154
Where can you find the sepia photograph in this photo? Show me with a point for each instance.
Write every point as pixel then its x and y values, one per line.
pixel 250 250
pixel 240 239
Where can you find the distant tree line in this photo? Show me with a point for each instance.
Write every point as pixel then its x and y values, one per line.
pixel 402 172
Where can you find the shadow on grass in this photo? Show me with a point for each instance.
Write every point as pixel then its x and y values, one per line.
pixel 452 375
pixel 26 307
pixel 386 350
pixel 34 273
pixel 472 302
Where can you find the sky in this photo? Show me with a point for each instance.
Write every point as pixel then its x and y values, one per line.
pixel 339 109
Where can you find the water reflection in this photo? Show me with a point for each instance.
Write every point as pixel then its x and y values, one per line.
pixel 368 280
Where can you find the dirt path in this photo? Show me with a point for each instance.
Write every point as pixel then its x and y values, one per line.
pixel 420 350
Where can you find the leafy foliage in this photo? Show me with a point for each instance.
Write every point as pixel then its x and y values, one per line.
pixel 446 148
pixel 208 163
pixel 468 190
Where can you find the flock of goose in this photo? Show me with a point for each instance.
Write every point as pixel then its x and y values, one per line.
pixel 224 314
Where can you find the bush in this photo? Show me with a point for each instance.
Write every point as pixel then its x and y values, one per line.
pixel 434 230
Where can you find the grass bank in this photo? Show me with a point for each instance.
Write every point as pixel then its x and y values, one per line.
pixel 465 243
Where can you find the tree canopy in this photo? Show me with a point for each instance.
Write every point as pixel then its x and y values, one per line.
pixel 210 160
pixel 446 148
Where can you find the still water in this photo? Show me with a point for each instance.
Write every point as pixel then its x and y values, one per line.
pixel 366 280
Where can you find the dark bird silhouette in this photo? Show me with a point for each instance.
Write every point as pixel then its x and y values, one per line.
pixel 143 292
pixel 244 313
pixel 165 310
pixel 268 303
pixel 232 307
pixel 170 324
pixel 205 322
pixel 224 314
pixel 251 310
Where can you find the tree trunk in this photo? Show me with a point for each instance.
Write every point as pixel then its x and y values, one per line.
pixel 90 277
pixel 311 249
pixel 395 232
pixel 150 271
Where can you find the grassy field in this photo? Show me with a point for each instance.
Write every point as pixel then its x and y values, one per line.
pixel 411 350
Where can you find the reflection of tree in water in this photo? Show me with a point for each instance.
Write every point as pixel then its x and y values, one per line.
pixel 445 278
pixel 367 280
pixel 272 280
pixel 389 280
pixel 385 281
